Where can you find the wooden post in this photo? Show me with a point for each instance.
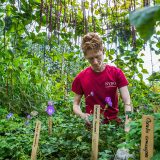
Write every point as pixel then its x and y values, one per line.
pixel 50 126
pixel 36 140
pixel 95 133
pixel 147 137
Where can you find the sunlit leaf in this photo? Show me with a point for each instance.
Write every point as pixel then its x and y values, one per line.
pixel 144 20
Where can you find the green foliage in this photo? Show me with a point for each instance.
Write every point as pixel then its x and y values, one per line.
pixel 156 156
pixel 70 139
pixel 133 138
pixel 145 20
pixel 154 77
pixel 40 56
pixel 105 155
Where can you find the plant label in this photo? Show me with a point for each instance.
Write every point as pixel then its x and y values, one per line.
pixel 50 126
pixel 95 133
pixel 147 137
pixel 36 140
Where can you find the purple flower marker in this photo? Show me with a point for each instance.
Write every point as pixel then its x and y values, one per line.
pixel 108 101
pixel 50 108
pixel 9 115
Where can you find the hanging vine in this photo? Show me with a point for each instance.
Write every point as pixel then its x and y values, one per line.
pixel 133 31
pixel 85 26
pixel 59 19
pixel 47 16
pixel 151 59
pixel 50 16
pixel 102 17
pixel 146 3
pixel 75 29
pixel 93 21
pixel 41 12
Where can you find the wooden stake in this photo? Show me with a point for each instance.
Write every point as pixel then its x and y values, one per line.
pixel 95 133
pixel 50 126
pixel 36 140
pixel 147 137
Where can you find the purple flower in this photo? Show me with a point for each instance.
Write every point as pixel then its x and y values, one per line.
pixel 9 115
pixel 91 94
pixel 26 123
pixel 28 116
pixel 50 108
pixel 50 103
pixel 59 14
pixel 108 101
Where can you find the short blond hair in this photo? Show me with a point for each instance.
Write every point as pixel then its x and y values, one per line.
pixel 91 41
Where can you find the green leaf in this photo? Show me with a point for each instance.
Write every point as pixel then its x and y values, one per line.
pixel 38 1
pixel 144 71
pixel 144 20
pixel 86 5
pixel 79 138
pixel 158 45
pixel 96 12
pixel 156 156
pixel 8 9
pixel 140 75
pixel 2 1
pixel 1 23
pixel 38 29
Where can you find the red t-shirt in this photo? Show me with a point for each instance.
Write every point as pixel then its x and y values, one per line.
pixel 100 88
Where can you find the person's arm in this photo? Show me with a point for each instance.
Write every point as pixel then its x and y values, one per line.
pixel 127 103
pixel 126 98
pixel 77 110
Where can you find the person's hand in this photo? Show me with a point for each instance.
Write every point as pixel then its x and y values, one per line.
pixel 127 128
pixel 85 116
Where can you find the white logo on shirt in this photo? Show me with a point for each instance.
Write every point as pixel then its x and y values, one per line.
pixel 110 84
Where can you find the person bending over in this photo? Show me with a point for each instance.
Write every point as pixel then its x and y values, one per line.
pixel 99 83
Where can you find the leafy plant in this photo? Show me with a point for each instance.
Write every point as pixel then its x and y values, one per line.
pixel 145 20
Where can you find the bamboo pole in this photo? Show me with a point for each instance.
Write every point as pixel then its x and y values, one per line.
pixel 147 137
pixel 95 133
pixel 50 125
pixel 36 140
